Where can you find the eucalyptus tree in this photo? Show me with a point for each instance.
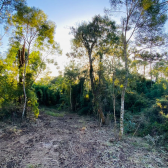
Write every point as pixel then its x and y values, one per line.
pixel 88 36
pixel 7 7
pixel 138 17
pixel 31 28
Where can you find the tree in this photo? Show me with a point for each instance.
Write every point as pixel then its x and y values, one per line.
pixel 148 57
pixel 8 89
pixel 7 7
pixel 160 69
pixel 112 76
pixel 89 35
pixel 31 28
pixel 139 17
pixel 71 73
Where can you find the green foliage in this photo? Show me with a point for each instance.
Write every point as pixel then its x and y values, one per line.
pixel 100 30
pixel 46 95
pixel 21 67
pixel 31 23
pixel 129 126
pixel 54 114
pixel 156 122
pixel 8 7
pixel 32 102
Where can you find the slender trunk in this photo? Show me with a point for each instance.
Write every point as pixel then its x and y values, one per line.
pixel 123 91
pixel 151 63
pixel 91 72
pixel 151 70
pixel 24 83
pixel 122 114
pixel 144 71
pixel 24 90
pixel 100 69
pixel 115 122
pixel 21 57
pixel 70 97
pixel 20 75
pixel 114 112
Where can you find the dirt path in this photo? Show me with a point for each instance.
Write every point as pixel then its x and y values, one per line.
pixel 60 142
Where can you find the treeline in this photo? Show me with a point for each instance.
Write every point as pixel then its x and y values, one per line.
pixel 146 101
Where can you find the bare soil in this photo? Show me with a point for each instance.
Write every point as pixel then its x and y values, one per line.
pixel 73 141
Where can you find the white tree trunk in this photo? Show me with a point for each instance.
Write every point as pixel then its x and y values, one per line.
pixel 115 122
pixel 113 96
pixel 124 90
pixel 122 113
pixel 24 83
pixel 24 90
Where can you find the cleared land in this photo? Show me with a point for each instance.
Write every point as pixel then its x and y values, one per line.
pixel 67 140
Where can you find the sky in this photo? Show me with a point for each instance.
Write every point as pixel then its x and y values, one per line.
pixel 65 14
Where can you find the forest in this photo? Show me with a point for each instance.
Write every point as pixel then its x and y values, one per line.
pixel 116 80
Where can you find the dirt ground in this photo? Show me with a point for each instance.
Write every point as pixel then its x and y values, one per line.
pixel 73 141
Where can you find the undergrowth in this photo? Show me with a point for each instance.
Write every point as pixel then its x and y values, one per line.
pixel 55 114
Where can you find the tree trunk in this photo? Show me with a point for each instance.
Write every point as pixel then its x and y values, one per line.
pixel 70 97
pixel 91 72
pixel 95 97
pixel 21 57
pixel 122 113
pixel 20 75
pixel 24 83
pixel 123 91
pixel 24 91
pixel 115 122
pixel 113 97
pixel 151 70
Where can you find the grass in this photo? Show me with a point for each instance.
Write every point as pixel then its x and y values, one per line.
pixel 33 166
pixel 55 114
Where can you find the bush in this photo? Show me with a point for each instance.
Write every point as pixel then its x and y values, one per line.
pixel 129 124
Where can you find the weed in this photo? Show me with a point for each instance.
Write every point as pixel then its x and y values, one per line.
pixel 54 114
pixel 33 166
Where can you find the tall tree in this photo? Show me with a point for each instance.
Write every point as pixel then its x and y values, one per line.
pixel 139 17
pixel 89 35
pixel 31 29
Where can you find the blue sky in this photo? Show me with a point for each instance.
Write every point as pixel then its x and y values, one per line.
pixel 65 14
pixel 68 13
